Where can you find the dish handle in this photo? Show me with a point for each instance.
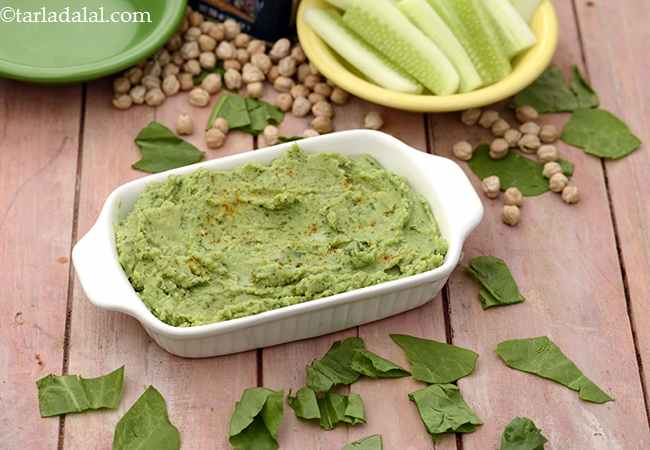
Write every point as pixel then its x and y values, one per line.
pixel 462 205
pixel 100 276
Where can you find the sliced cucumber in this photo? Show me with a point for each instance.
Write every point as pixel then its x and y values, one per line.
pixel 431 24
pixel 329 26
pixel 515 32
pixel 383 26
pixel 340 4
pixel 472 26
pixel 526 8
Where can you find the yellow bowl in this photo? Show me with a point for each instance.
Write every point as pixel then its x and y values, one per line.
pixel 526 68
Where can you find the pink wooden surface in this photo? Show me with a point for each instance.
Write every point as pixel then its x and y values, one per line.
pixel 565 259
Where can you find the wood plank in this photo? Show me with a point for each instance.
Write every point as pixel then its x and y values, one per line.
pixel 564 258
pixel 200 394
pixel 618 66
pixel 38 158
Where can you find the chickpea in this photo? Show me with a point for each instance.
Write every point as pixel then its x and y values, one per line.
pixel 232 64
pixel 570 195
pixel 150 82
pixel 547 153
pixel 488 118
pixel 171 85
pixel 463 150
pixel 298 54
pixel 177 58
pixel 299 91
pixel 163 57
pixel 152 68
pixel 186 80
pixel 242 40
pixel 221 123
pixel 242 55
pixel 196 18
pixel 199 97
pixel 252 74
pixel 558 182
pixel 211 83
pixel 499 148
pixel 287 66
pixel 170 69
pixel 280 49
pixel 322 124
pixel 315 98
pixel 284 101
pixel 471 116
pixel 325 109
pixel 551 168
pixel 323 89
pixel 271 134
pixel 373 121
pixel 207 60
pixel 137 94
pixel 313 69
pixel 217 32
pixel 174 43
pixel 491 186
pixel 339 96
pixel 192 66
pixel 233 79
pixel 134 74
pixel 225 51
pixel 512 137
pixel 526 114
pixel 214 138
pixel 192 34
pixel 283 84
pixel 549 134
pixel 207 43
pixel 184 124
pixel 513 197
pixel 530 128
pixel 500 127
pixel 511 215
pixel 310 132
pixel 121 85
pixel 256 47
pixel 303 71
pixel 206 27
pixel 273 74
pixel 122 101
pixel 262 62
pixel 231 28
pixel 190 50
pixel 529 143
pixel 154 97
pixel 255 90
pixel 301 107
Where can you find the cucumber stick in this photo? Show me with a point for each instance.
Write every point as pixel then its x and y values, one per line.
pixel 526 8
pixel 472 26
pixel 431 24
pixel 382 25
pixel 329 26
pixel 515 32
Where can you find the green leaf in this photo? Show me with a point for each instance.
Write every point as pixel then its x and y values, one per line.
pixel 162 150
pixel 443 410
pixel 370 443
pixel 498 287
pixel 65 394
pixel 513 170
pixel 549 93
pixel 256 420
pixel 304 404
pixel 146 425
pixel 337 408
pixel 436 362
pixel 567 167
pixel 335 367
pixel 261 114
pixel 542 357
pixel 600 133
pixel 245 114
pixel 198 79
pixel 374 366
pixel 586 97
pixel 522 434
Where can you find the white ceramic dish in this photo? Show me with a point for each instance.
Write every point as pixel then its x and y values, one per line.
pixel 453 200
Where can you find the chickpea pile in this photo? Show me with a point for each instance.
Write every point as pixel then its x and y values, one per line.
pixel 529 138
pixel 200 45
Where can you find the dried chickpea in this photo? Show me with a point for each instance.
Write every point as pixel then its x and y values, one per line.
pixel 154 97
pixel 511 215
pixel 192 34
pixel 192 66
pixel 271 134
pixel 122 101
pixel 262 62
pixel 221 123
pixel 252 74
pixel 303 71
pixel 549 134
pixel 491 186
pixel 121 85
pixel 471 116
pixel 547 153
pixel 232 64
pixel 570 195
pixel 530 128
pixel 513 197
pixel 325 109
pixel 310 132
pixel 526 114
pixel 170 69
pixel 134 74
pixel 231 28
pixel 174 43
pixel 186 80
pixel 199 97
pixel 233 79
pixel 323 89
pixel 255 90
pixel 256 47
pixel 171 85
pixel 207 60
pixel 196 18
pixel 273 74
pixel 551 168
pixel 150 82
pixel 373 121
pixel 322 124
pixel 311 81
pixel 298 54
pixel 211 83
pixel 280 49
pixel 299 91
pixel 463 150
pixel 283 84
pixel 225 51
pixel 242 55
pixel 206 27
pixel 488 118
pixel 284 101
pixel 529 143
pixel 163 57
pixel 242 40
pixel 301 107
pixel 512 137
pixel 339 96
pixel 315 98
pixel 190 50
pixel 184 124
pixel 207 43
pixel 137 94
pixel 153 69
pixel 499 148
pixel 287 66
pixel 177 58
pixel 500 127
pixel 214 138
pixel 217 32
pixel 558 182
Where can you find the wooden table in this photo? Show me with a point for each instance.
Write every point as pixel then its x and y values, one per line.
pixel 584 270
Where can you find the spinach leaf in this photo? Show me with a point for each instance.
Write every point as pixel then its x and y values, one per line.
pixel 513 170
pixel 549 93
pixel 335 367
pixel 245 114
pixel 542 357
pixel 443 410
pixel 337 408
pixel 330 409
pixel 522 434
pixel 586 97
pixel 284 139
pixel 256 420
pixel 498 288
pixel 65 394
pixel 374 366
pixel 146 425
pixel 304 404
pixel 600 133
pixel 436 362
pixel 373 442
pixel 567 167
pixel 162 150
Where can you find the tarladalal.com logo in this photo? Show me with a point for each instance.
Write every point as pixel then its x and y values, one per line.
pixel 10 14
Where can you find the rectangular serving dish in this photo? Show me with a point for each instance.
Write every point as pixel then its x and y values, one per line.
pixel 453 200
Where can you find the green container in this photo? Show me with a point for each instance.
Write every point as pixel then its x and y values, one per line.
pixel 63 41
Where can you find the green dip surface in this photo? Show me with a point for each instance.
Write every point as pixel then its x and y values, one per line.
pixel 217 245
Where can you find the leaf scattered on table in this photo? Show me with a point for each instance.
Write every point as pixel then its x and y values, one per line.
pixel 443 410
pixel 146 425
pixel 245 114
pixel 374 366
pixel 304 404
pixel 600 133
pixel 335 367
pixel 498 287
pixel 436 362
pixel 550 94
pixel 256 420
pixel 162 150
pixel 329 409
pixel 65 394
pixel 514 171
pixel 373 442
pixel 567 167
pixel 542 357
pixel 522 434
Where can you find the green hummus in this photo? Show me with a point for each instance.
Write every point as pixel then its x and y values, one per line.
pixel 212 246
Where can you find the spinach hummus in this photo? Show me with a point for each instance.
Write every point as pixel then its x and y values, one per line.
pixel 216 245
